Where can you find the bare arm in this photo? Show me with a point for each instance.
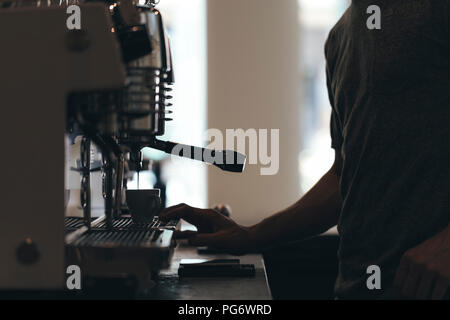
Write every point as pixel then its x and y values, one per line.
pixel 424 271
pixel 316 212
pixel 313 214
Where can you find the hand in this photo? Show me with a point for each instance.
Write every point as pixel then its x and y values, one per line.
pixel 424 271
pixel 213 229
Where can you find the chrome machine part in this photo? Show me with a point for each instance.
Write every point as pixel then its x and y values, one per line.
pixel 150 77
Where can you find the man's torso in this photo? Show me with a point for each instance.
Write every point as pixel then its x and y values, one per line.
pixel 390 91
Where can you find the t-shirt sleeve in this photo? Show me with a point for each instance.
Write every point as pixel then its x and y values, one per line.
pixel 336 133
pixel 335 125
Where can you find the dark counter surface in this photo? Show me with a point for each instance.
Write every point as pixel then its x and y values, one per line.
pixel 171 287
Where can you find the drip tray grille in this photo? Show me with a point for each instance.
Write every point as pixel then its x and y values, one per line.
pixel 115 238
pixel 126 223
pixel 125 233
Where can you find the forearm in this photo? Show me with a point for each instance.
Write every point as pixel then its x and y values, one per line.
pixel 314 213
pixel 424 271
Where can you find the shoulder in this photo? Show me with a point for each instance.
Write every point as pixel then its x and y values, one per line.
pixel 335 35
pixel 335 40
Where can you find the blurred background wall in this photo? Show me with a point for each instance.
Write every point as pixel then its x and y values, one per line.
pixel 254 82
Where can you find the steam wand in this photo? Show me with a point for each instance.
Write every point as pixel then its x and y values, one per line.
pixel 227 160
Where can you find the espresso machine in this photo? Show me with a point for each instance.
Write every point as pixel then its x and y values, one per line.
pixel 107 86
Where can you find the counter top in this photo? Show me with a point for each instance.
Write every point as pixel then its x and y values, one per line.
pixel 171 287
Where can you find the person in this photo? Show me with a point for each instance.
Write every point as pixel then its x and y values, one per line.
pixel 389 187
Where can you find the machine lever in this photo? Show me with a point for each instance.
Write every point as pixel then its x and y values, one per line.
pixel 227 160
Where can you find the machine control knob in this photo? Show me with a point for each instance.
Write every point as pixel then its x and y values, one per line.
pixel 27 252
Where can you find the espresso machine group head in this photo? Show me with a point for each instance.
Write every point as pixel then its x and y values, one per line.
pixel 109 83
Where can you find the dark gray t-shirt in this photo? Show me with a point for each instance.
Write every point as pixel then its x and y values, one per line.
pixel 390 96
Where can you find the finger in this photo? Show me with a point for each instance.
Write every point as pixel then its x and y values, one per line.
pixel 440 289
pixel 425 285
pixel 182 211
pixel 412 280
pixel 184 234
pixel 166 213
pixel 401 274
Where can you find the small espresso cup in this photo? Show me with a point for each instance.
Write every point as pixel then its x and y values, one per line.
pixel 143 204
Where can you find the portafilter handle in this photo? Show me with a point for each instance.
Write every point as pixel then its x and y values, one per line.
pixel 227 160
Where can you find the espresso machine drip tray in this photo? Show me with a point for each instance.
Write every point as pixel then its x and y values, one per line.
pixel 121 238
pixel 124 232
pixel 125 247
